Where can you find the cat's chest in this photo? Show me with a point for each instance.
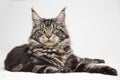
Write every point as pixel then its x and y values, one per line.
pixel 51 53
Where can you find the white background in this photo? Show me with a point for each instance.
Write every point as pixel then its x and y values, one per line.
pixel 94 27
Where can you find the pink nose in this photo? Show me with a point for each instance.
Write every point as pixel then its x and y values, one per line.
pixel 48 36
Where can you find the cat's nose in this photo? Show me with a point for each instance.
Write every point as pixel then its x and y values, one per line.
pixel 48 36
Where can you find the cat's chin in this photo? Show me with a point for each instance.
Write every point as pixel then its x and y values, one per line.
pixel 49 43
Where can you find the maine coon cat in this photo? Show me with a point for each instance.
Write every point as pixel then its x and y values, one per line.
pixel 49 51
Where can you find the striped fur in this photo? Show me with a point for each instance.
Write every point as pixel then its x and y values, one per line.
pixel 49 51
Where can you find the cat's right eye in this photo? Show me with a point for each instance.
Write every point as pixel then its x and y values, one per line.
pixel 41 31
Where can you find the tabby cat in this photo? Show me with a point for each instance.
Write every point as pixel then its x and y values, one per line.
pixel 49 51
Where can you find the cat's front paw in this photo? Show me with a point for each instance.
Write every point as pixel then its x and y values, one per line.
pixel 65 70
pixel 108 70
pixel 100 60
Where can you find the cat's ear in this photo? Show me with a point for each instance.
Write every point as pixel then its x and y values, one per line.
pixel 61 16
pixel 35 17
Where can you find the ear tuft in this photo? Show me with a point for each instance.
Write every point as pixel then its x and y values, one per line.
pixel 64 9
pixel 32 9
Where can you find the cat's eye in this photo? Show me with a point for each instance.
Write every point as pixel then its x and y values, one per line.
pixel 54 30
pixel 42 30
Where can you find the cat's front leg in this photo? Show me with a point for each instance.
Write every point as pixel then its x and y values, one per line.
pixel 92 68
pixel 89 60
pixel 72 61
pixel 44 69
pixel 47 69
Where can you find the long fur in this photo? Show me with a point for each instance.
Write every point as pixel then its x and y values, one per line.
pixel 49 51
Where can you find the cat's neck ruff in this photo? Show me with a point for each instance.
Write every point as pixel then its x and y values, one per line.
pixel 61 47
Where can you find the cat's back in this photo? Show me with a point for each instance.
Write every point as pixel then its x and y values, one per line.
pixel 16 55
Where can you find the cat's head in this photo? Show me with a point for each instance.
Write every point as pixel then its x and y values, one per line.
pixel 49 32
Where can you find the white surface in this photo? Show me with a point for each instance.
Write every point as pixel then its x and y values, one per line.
pixel 94 26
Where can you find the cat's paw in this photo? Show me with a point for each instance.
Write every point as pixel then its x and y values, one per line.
pixel 65 70
pixel 108 70
pixel 100 60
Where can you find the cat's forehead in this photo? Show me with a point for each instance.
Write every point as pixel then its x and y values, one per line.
pixel 48 22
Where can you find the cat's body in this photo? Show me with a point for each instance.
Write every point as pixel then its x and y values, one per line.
pixel 49 51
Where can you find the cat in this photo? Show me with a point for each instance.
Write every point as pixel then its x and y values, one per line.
pixel 49 51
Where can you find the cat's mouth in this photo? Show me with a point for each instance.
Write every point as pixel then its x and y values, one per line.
pixel 49 42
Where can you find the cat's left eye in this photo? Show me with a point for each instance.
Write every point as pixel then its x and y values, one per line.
pixel 54 30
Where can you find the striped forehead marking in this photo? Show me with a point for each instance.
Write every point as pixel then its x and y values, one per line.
pixel 48 22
